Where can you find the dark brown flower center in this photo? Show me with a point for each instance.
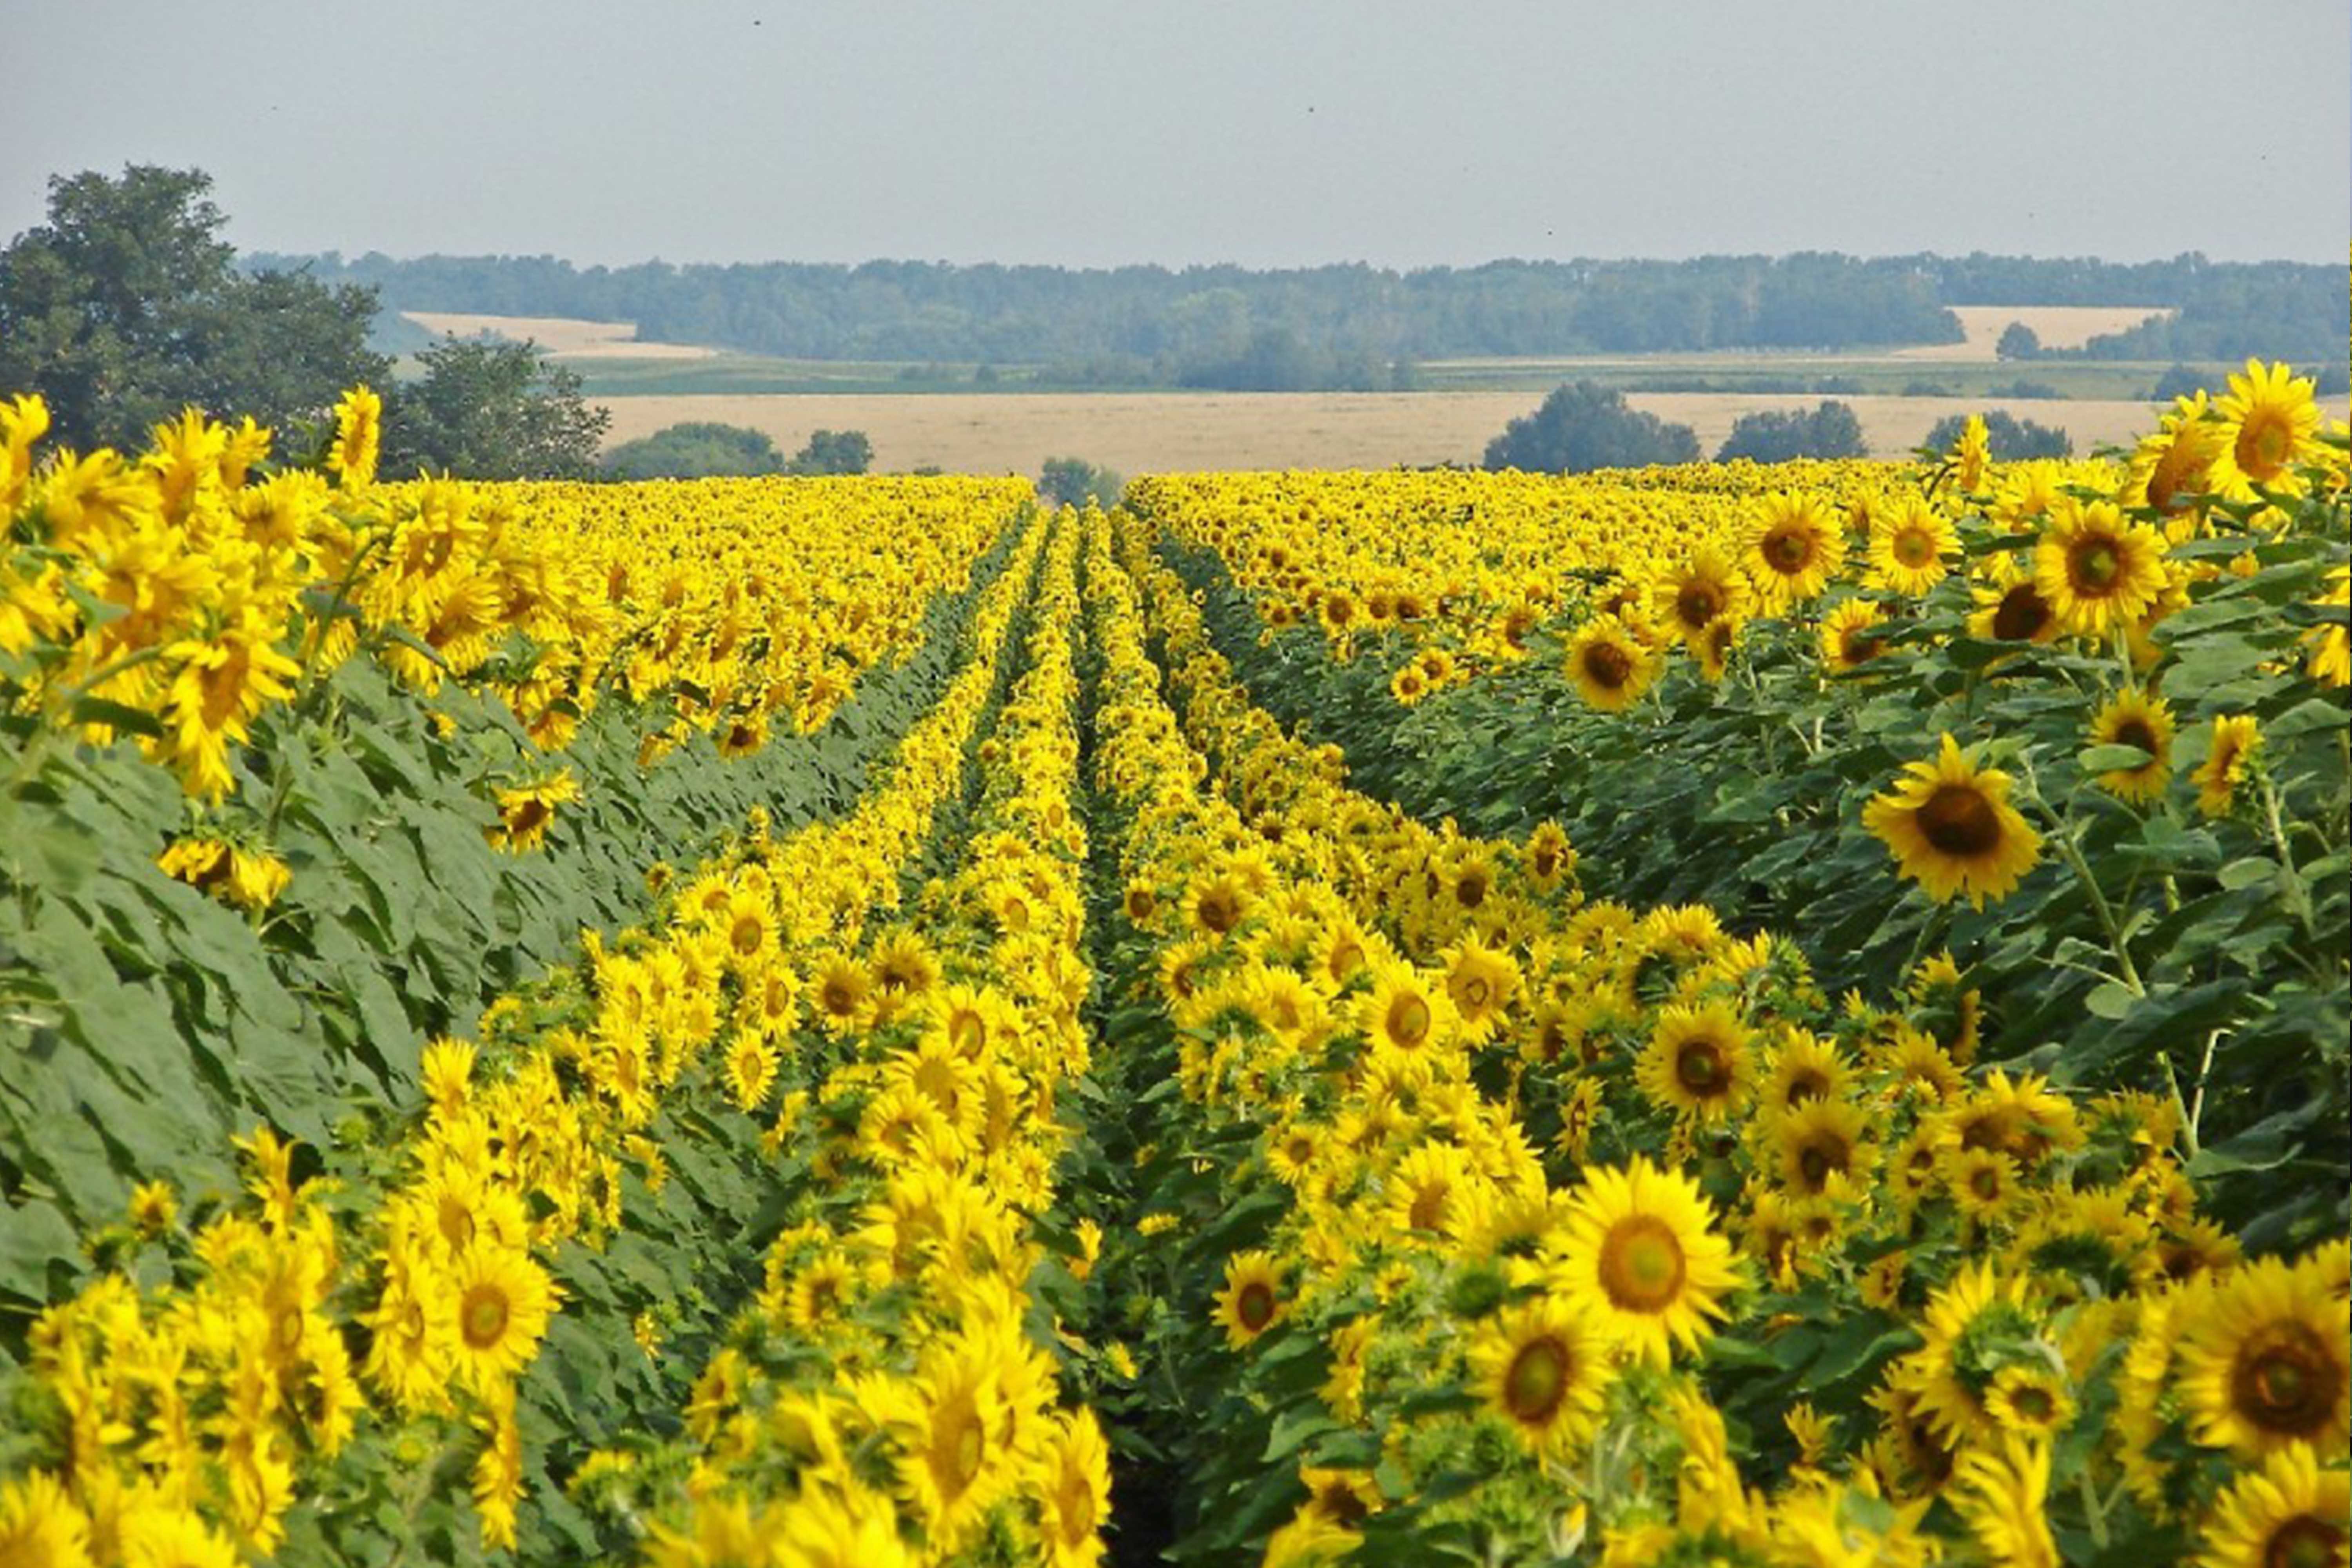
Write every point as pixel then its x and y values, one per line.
pixel 1253 1305
pixel 1537 1380
pixel 2285 1382
pixel 1957 820
pixel 2022 614
pixel 1607 667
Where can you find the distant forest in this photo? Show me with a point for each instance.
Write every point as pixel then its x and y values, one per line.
pixel 1357 326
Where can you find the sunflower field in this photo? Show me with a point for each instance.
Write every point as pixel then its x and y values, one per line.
pixel 1791 1015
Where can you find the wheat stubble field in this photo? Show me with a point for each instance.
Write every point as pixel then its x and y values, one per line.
pixel 1163 432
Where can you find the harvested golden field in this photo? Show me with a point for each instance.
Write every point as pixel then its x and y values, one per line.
pixel 2058 327
pixel 563 337
pixel 1174 432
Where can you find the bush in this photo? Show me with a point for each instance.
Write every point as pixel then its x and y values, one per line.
pixel 2014 440
pixel 2018 340
pixel 1072 481
pixel 832 452
pixel 697 450
pixel 1774 435
pixel 1583 426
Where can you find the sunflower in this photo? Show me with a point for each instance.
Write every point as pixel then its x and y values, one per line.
pixel 1794 548
pixel 2264 1362
pixel 2331 645
pixel 1704 589
pixel 1849 635
pixel 1637 1247
pixel 359 437
pixel 2031 1400
pixel 1972 455
pixel 1544 1368
pixel 2269 421
pixel 1251 1302
pixel 1822 1147
pixel 499 1300
pixel 1076 1474
pixel 526 811
pixel 1609 666
pixel 1804 1067
pixel 2288 1513
pixel 1952 830
pixel 2096 570
pixel 2237 737
pixel 1908 548
pixel 1406 1011
pixel 41 1525
pixel 2136 718
pixel 1980 1322
pixel 1697 1062
pixel 1546 858
pixel 1480 983
pixel 2174 463
pixel 2003 1494
pixel 951 1422
pixel 1218 904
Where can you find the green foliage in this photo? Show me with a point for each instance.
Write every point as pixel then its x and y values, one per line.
pixel 1583 426
pixel 832 452
pixel 1073 481
pixel 1775 436
pixel 694 450
pixel 491 410
pixel 2014 440
pixel 126 307
pixel 2018 340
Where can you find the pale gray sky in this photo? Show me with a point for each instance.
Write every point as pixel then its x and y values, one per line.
pixel 1401 133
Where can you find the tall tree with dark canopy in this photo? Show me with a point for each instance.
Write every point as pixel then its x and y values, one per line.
pixel 491 410
pixel 126 306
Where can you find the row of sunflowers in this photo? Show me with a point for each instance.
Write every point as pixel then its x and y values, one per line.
pixel 388 1343
pixel 1540 1228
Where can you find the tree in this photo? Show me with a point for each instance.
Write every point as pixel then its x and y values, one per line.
pixel 2018 340
pixel 695 450
pixel 1775 436
pixel 832 452
pixel 1072 481
pixel 2012 439
pixel 127 307
pixel 491 410
pixel 1582 426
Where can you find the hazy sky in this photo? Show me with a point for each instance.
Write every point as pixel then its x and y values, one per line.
pixel 1400 133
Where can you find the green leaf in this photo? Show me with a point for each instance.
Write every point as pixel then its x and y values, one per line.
pixel 120 716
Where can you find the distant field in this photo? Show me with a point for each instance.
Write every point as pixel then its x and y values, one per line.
pixel 2058 327
pixel 563 337
pixel 1180 431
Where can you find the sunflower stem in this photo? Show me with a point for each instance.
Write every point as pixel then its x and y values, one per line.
pixel 2062 833
pixel 2298 897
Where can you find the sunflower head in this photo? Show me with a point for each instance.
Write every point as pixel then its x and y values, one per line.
pixel 1951 828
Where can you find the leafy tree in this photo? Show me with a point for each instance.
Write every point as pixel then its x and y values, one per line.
pixel 126 306
pixel 2018 340
pixel 695 450
pixel 491 410
pixel 832 452
pixel 2012 439
pixel 1585 426
pixel 1775 436
pixel 1072 481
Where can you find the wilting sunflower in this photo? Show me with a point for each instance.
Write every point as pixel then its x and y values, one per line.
pixel 1794 548
pixel 2269 420
pixel 247 879
pixel 1543 1367
pixel 1609 666
pixel 1907 546
pixel 1698 1062
pixel 1637 1248
pixel 2136 718
pixel 2266 1364
pixel 1251 1302
pixel 2236 738
pixel 2289 1512
pixel 1849 636
pixel 2096 570
pixel 1951 828
pixel 1691 595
